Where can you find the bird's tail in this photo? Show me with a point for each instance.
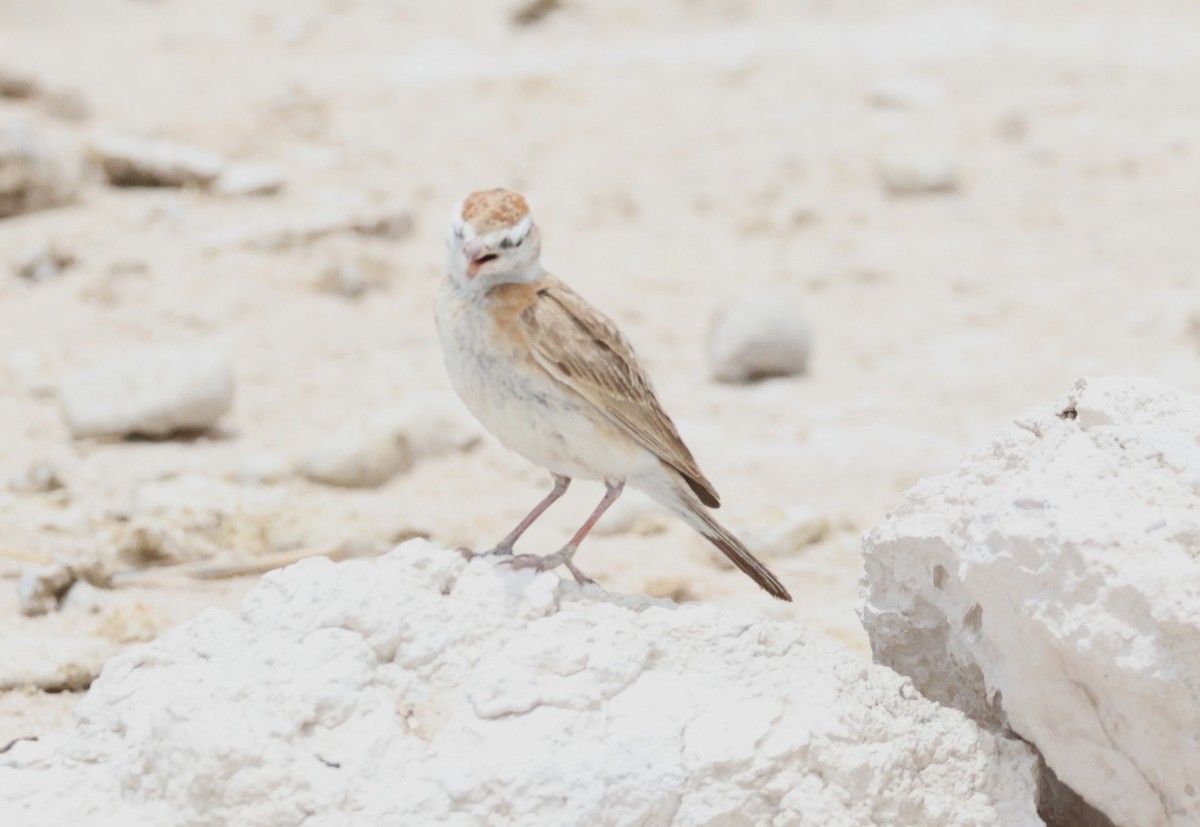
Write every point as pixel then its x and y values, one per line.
pixel 698 517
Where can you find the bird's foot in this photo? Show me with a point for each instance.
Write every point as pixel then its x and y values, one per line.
pixel 550 561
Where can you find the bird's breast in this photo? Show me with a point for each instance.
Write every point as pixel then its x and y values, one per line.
pixel 495 373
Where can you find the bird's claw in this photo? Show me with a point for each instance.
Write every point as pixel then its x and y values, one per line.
pixel 551 561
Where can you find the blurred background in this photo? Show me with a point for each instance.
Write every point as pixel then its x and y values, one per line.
pixel 221 230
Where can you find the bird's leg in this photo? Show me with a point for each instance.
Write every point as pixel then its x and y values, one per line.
pixel 505 546
pixel 563 556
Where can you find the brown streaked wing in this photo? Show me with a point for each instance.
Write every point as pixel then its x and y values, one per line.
pixel 583 349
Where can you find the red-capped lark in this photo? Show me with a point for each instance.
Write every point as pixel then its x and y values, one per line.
pixel 554 380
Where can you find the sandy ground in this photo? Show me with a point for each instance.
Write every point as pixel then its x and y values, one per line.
pixel 676 155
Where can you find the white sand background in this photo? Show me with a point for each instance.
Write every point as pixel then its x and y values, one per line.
pixel 676 155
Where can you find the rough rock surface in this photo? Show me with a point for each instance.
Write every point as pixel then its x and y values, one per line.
pixel 1052 585
pixel 420 689
pixel 150 391
pixel 756 337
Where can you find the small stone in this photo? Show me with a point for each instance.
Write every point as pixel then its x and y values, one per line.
pixel 758 337
pixel 96 568
pixel 128 161
pixel 44 261
pixel 84 598
pixel 40 591
pixel 41 477
pixel 250 179
pixel 147 542
pixel 344 279
pixel 16 85
pixel 51 662
pixel 31 178
pixel 263 468
pixel 906 93
pixel 360 456
pixel 353 276
pixel 435 425
pixel 918 171
pixel 390 222
pixel 153 391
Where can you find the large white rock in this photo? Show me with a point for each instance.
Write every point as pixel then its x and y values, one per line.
pixel 154 390
pixel 1052 585
pixel 420 689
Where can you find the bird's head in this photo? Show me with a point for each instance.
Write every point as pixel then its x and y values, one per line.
pixel 493 240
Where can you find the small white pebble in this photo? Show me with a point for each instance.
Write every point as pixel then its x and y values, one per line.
pixel 758 337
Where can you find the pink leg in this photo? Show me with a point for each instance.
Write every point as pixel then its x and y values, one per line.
pixel 505 546
pixel 563 556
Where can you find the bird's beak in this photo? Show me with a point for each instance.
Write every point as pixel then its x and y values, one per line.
pixel 478 254
pixel 474 249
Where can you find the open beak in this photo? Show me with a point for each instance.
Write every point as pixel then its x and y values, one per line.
pixel 478 254
pixel 474 249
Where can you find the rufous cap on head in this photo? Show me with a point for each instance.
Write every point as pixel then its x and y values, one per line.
pixel 490 210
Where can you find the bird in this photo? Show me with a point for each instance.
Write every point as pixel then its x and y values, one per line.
pixel 555 380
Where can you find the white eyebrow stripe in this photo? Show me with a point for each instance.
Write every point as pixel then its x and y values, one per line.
pixel 459 229
pixel 521 229
pixel 511 234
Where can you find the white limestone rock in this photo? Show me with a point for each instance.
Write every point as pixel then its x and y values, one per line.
pixel 918 170
pixel 435 425
pixel 359 455
pixel 241 179
pixel 1052 585
pixel 262 468
pixel 41 590
pixel 131 161
pixel 758 337
pixel 419 688
pixel 154 390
